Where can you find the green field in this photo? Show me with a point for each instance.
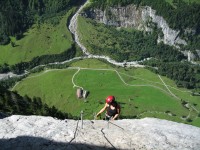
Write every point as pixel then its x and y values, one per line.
pixel 139 91
pixel 187 1
pixel 40 39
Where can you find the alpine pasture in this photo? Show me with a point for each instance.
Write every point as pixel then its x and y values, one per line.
pixel 41 39
pixel 140 92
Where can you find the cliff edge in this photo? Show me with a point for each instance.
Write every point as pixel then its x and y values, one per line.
pixel 36 132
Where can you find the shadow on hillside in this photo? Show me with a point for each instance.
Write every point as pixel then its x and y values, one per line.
pixel 37 143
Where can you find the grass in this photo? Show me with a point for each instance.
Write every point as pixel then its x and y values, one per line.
pixel 184 94
pixel 84 28
pixel 55 87
pixel 48 86
pixel 39 40
pixel 192 1
pixel 187 1
pixel 107 40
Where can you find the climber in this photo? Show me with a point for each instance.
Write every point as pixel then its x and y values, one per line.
pixel 112 109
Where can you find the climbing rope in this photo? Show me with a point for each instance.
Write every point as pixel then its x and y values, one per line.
pixel 74 134
pixel 107 139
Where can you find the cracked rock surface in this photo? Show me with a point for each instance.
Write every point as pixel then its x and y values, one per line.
pixel 36 132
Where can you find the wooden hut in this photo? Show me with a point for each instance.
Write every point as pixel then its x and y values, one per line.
pixel 79 93
pixel 85 94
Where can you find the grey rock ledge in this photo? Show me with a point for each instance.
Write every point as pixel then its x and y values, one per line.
pixel 36 132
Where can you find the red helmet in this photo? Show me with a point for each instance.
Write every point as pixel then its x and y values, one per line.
pixel 110 99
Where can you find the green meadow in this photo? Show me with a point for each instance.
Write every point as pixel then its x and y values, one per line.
pixel 139 91
pixel 187 1
pixel 40 39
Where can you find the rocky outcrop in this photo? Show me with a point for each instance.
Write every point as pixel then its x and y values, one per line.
pixel 128 16
pixel 191 56
pixel 34 132
pixel 136 17
pixel 198 53
pixel 7 75
pixel 170 36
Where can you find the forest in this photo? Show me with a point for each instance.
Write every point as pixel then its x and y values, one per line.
pixel 183 73
pixel 126 44
pixel 16 16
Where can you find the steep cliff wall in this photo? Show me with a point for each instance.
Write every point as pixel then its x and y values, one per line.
pixel 139 18
pixel 142 18
pixel 34 132
pixel 192 56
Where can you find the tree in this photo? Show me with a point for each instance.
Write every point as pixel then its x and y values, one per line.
pixel 12 44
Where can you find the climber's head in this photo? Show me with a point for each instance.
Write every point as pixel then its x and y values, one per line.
pixel 110 99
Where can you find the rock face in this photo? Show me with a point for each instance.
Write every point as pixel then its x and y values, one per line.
pixel 34 132
pixel 7 75
pixel 136 17
pixel 198 53
pixel 191 56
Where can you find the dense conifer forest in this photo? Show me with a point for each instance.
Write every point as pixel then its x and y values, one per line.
pixel 184 74
pixel 16 16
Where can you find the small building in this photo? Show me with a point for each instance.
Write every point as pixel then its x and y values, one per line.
pixel 79 93
pixel 85 94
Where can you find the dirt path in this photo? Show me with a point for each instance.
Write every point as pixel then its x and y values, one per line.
pixel 120 77
pixel 168 88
